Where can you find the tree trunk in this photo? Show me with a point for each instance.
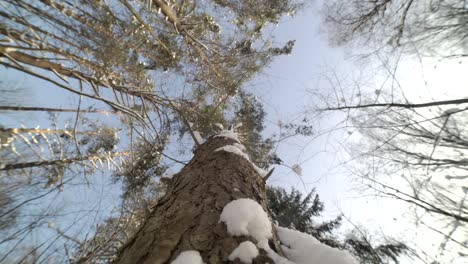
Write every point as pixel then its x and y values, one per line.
pixel 188 216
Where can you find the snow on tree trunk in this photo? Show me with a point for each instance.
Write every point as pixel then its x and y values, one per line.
pixel 187 218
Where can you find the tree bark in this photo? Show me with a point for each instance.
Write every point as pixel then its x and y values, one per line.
pixel 187 217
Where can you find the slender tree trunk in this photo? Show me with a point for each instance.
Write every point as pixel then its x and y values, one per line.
pixel 48 109
pixel 46 131
pixel 187 217
pixel 92 158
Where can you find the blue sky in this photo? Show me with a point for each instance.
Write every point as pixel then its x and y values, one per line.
pixel 283 88
pixel 286 89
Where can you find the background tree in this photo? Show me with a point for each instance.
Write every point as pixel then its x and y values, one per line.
pixel 407 150
pixel 428 154
pixel 426 27
pixel 292 210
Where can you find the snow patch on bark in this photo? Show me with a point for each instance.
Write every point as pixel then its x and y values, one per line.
pixel 303 249
pixel 246 217
pixel 239 146
pixel 246 252
pixel 198 137
pixel 233 149
pixel 259 170
pixel 239 149
pixel 228 134
pixel 188 257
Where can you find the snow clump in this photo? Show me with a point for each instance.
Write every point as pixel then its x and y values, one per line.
pixel 277 259
pixel 246 252
pixel 246 217
pixel 304 249
pixel 188 257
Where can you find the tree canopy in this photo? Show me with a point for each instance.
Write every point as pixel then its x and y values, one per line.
pixel 142 78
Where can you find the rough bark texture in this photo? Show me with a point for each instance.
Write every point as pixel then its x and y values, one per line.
pixel 187 217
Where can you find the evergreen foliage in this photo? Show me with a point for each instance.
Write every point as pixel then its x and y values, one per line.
pixel 292 210
pixel 251 115
pixel 367 254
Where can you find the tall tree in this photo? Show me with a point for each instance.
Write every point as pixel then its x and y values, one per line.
pixel 142 191
pixel 187 217
pixel 214 211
